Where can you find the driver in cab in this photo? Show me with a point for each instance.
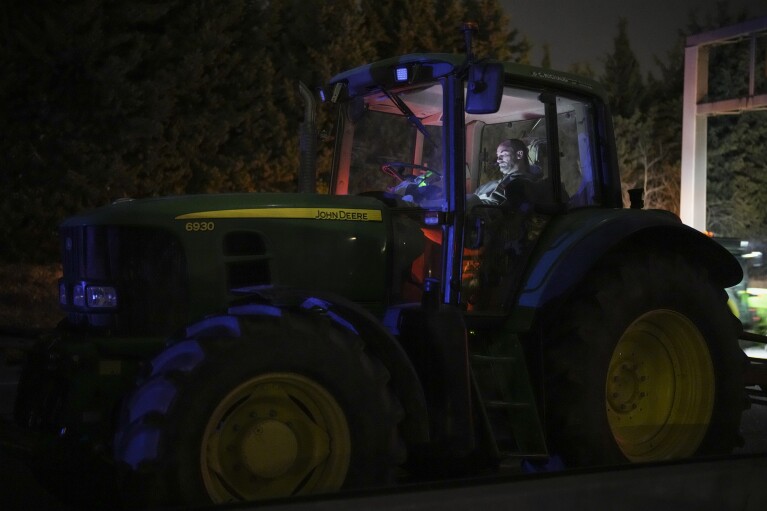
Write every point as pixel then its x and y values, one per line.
pixel 517 177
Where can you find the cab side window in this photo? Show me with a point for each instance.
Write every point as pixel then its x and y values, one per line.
pixel 533 161
pixel 576 152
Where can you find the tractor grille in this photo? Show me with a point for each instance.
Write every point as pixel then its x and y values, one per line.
pixel 146 266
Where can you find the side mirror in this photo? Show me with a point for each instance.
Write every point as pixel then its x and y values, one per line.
pixel 485 88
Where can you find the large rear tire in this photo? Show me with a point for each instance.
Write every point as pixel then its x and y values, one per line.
pixel 643 365
pixel 293 405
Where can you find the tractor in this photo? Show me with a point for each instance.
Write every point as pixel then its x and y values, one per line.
pixel 237 347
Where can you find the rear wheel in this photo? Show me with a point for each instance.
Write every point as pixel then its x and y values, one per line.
pixel 643 365
pixel 660 388
pixel 292 406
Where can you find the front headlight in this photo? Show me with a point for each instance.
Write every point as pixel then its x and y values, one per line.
pixel 101 296
pixel 94 296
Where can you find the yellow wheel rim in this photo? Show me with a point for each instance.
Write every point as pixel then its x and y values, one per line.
pixel 660 388
pixel 275 435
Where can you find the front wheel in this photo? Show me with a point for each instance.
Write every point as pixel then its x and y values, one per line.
pixel 279 433
pixel 291 406
pixel 643 365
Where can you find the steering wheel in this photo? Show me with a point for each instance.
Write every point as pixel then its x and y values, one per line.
pixel 397 169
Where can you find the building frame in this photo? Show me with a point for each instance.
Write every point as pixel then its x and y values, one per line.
pixel 696 109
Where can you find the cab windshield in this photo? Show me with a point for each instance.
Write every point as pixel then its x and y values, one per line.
pixel 391 146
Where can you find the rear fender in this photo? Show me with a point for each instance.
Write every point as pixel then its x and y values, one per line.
pixel 573 244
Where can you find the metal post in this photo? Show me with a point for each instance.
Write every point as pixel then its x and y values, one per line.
pixel 692 206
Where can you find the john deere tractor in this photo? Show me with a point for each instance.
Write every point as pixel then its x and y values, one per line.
pixel 401 327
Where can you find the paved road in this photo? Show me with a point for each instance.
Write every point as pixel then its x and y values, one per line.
pixel 20 490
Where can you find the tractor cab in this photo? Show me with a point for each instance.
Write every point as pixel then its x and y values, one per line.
pixel 422 134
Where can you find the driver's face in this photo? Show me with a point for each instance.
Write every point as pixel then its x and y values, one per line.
pixel 503 157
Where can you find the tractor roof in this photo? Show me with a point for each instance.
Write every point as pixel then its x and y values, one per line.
pixel 427 67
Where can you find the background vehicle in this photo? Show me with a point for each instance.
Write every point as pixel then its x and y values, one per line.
pixel 739 299
pixel 238 347
pixel 757 300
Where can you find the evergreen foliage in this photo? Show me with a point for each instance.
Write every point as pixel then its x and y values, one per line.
pixel 133 98
pixel 648 129
pixel 640 153
pixel 737 144
pixel 732 197
pixel 622 77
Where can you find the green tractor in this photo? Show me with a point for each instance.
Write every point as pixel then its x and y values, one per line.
pixel 402 327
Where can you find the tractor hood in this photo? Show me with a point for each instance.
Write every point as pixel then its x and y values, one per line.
pixel 171 210
pixel 197 253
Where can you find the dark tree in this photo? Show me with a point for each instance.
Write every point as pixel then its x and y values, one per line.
pixel 113 99
pixel 622 75
pixel 737 144
pixel 136 98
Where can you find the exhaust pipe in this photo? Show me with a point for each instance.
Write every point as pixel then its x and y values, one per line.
pixel 307 173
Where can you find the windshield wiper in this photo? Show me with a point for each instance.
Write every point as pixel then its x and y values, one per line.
pixel 408 113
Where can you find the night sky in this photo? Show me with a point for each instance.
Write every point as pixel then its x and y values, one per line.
pixel 584 31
